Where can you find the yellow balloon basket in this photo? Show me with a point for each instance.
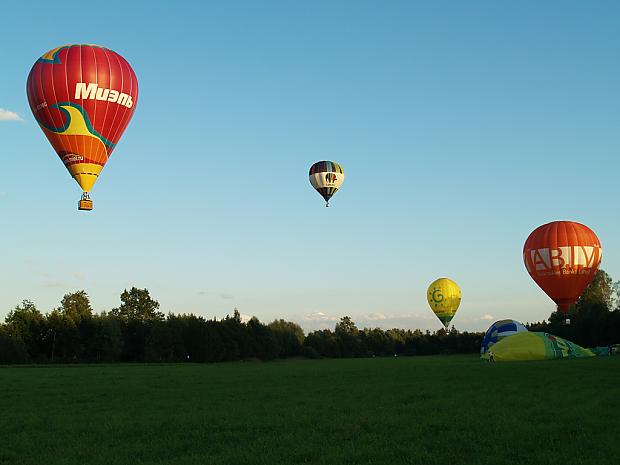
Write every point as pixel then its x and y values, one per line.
pixel 85 203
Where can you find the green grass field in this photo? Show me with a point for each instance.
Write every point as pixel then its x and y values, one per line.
pixel 416 410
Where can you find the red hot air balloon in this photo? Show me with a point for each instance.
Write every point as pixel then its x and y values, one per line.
pixel 563 258
pixel 83 97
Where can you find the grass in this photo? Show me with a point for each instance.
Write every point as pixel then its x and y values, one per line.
pixel 418 410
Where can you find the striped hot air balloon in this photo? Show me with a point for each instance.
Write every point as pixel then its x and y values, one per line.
pixel 83 97
pixel 326 177
pixel 500 330
pixel 562 257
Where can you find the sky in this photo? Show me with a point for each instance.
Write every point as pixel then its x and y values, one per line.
pixel 461 127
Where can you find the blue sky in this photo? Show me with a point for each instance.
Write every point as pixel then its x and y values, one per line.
pixel 461 127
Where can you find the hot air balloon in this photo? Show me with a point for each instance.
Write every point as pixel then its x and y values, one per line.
pixel 562 257
pixel 83 97
pixel 535 346
pixel 326 177
pixel 500 330
pixel 444 298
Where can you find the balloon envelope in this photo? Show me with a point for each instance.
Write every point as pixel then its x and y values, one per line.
pixel 83 97
pixel 326 177
pixel 500 330
pixel 534 346
pixel 562 257
pixel 444 298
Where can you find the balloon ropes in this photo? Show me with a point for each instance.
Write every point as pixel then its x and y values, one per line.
pixel 83 97
pixel 562 257
pixel 326 177
pixel 444 298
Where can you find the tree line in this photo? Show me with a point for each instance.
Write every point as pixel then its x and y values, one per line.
pixel 594 320
pixel 137 331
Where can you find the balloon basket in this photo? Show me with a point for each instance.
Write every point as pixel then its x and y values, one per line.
pixel 85 205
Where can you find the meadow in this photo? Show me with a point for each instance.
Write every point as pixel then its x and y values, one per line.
pixel 400 410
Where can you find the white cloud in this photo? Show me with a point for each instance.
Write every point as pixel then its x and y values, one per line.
pixel 320 316
pixel 376 316
pixel 7 115
pixel 487 317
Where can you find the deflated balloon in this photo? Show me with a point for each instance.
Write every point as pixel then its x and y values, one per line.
pixel 500 330
pixel 562 257
pixel 534 346
pixel 444 298
pixel 83 97
pixel 326 177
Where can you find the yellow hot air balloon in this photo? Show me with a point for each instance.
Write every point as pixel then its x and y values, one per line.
pixel 444 298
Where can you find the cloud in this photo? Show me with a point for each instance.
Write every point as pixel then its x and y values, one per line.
pixel 7 115
pixel 376 316
pixel 415 320
pixel 487 317
pixel 221 295
pixel 319 316
pixel 397 317
pixel 47 279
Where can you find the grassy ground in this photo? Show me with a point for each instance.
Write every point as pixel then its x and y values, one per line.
pixel 418 410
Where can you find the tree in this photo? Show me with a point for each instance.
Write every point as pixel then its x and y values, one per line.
pixel 289 336
pixel 348 337
pixel 346 326
pixel 324 342
pixel 67 327
pixel 264 344
pixel 25 323
pixel 76 306
pixel 138 305
pixel 107 342
pixel 159 343
pixel 377 342
pixel 11 349
pixel 56 325
pixel 600 293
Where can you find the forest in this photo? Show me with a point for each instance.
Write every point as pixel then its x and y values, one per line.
pixel 137 331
